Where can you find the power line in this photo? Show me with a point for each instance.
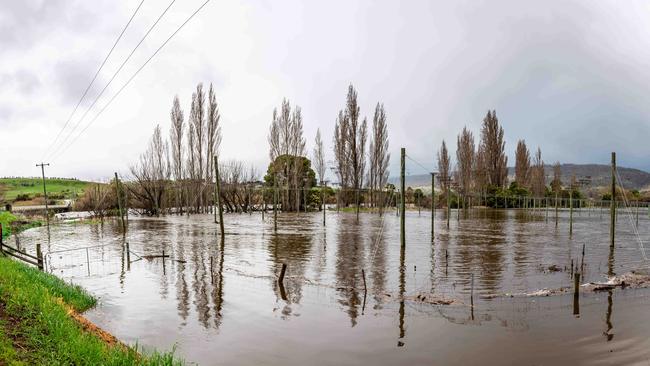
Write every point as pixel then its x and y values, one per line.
pixel 420 165
pixel 133 76
pixel 94 78
pixel 113 77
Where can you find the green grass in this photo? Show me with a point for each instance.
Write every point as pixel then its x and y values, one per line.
pixel 8 220
pixel 34 186
pixel 35 328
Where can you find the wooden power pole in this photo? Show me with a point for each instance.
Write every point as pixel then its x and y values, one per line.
pixel 47 211
pixel 433 205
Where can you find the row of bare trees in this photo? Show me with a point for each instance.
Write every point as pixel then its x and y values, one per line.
pixel 357 167
pixel 481 168
pixel 352 158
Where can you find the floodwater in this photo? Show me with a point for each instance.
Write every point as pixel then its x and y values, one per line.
pixel 220 303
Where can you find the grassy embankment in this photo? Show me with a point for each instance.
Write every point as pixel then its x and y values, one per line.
pixel 40 322
pixel 40 325
pixel 29 188
pixel 12 224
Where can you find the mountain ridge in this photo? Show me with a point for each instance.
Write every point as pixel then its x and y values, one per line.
pixel 599 175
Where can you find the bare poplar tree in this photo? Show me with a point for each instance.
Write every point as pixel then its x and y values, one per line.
pixel 319 157
pixel 522 164
pixel 176 140
pixel 379 155
pixel 480 170
pixel 465 155
pixel 198 123
pixel 319 163
pixel 444 167
pixel 213 134
pixel 496 161
pixel 152 173
pixel 537 178
pixel 341 151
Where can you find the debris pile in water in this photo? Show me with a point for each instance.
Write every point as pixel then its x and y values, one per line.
pixel 632 279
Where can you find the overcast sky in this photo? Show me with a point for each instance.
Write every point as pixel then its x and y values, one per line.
pixel 570 77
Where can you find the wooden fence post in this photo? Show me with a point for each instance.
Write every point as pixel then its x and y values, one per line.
pixel 39 255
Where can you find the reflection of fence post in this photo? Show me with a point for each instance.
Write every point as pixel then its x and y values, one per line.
pixel 571 210
pixel 612 213
pixel 576 294
pixel 402 219
pixel 88 261
pixel 282 272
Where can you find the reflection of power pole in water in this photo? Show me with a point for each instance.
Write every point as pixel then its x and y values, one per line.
pixel 608 316
pixel 612 223
pixel 47 211
pixel 402 289
pixel 402 219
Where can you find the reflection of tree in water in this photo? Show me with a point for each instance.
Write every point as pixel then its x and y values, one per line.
pixel 491 253
pixel 349 261
pixel 295 251
pixel 520 244
pixel 182 290
pixel 377 255
pixel 200 280
pixel 217 285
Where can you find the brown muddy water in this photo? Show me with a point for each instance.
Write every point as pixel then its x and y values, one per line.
pixel 221 305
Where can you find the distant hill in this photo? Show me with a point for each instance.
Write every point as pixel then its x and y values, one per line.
pixel 28 188
pixel 600 176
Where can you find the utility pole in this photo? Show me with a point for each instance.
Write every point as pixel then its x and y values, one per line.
pixel 47 211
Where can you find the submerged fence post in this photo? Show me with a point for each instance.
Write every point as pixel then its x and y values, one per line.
pixel 576 294
pixel 571 211
pixel 402 219
pixel 612 223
